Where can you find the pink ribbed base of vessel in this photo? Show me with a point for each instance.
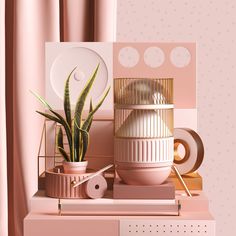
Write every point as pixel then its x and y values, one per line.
pixel 143 174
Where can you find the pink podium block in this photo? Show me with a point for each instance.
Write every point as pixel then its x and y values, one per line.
pixel 198 202
pixel 36 224
pixel 41 203
pixel 189 224
pixel 124 191
pixel 194 219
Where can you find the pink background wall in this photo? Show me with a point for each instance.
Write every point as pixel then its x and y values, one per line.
pixel 212 25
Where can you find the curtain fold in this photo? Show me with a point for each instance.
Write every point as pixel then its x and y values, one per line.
pixel 3 138
pixel 88 20
pixel 78 20
pixel 105 20
pixel 29 25
pixel 35 23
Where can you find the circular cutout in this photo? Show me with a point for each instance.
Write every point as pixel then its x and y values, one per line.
pixel 128 57
pixel 181 151
pixel 180 57
pixel 154 57
pixel 86 61
pixel 194 150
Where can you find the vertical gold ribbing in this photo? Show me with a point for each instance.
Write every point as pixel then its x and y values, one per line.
pixel 146 123
pixel 126 92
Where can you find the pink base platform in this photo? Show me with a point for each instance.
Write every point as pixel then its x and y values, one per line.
pixel 191 224
pixel 194 219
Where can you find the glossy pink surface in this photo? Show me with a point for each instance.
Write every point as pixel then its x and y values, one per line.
pixel 143 175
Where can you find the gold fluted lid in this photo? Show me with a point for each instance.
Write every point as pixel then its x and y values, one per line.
pixel 143 91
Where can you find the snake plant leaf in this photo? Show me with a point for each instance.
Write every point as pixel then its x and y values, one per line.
pixel 60 138
pixel 90 110
pixel 61 120
pixel 41 100
pixel 90 105
pixel 60 145
pixel 63 153
pixel 76 141
pixel 85 141
pixel 74 152
pixel 81 100
pixel 79 109
pixel 66 127
pixel 85 138
pixel 67 106
pixel 88 120
pixel 48 116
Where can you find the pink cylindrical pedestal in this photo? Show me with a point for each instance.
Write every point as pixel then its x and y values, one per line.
pixel 60 185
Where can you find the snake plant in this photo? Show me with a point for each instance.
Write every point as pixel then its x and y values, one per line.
pixel 76 129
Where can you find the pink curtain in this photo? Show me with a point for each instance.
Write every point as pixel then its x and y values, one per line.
pixel 29 24
pixel 96 22
pixel 3 148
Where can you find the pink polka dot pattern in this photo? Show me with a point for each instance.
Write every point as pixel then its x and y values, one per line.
pixel 180 57
pixel 154 57
pixel 212 25
pixel 128 57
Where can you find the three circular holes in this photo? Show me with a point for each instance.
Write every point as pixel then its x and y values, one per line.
pixel 154 57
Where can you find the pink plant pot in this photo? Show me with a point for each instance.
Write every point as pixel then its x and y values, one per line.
pixel 75 167
pixel 144 174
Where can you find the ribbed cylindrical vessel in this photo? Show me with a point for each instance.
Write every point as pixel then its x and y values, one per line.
pixel 143 129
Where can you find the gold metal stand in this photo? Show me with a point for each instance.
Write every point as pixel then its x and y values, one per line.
pixel 174 168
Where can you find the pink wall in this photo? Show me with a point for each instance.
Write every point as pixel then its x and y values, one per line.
pixel 212 25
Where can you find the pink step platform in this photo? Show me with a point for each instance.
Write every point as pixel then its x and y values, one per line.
pixel 43 219
pixel 124 191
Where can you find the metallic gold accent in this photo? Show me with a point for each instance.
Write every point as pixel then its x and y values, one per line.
pixel 174 168
pixel 59 207
pixel 177 158
pixel 192 180
pixel 127 90
pixel 92 175
pixel 200 150
pixel 144 107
